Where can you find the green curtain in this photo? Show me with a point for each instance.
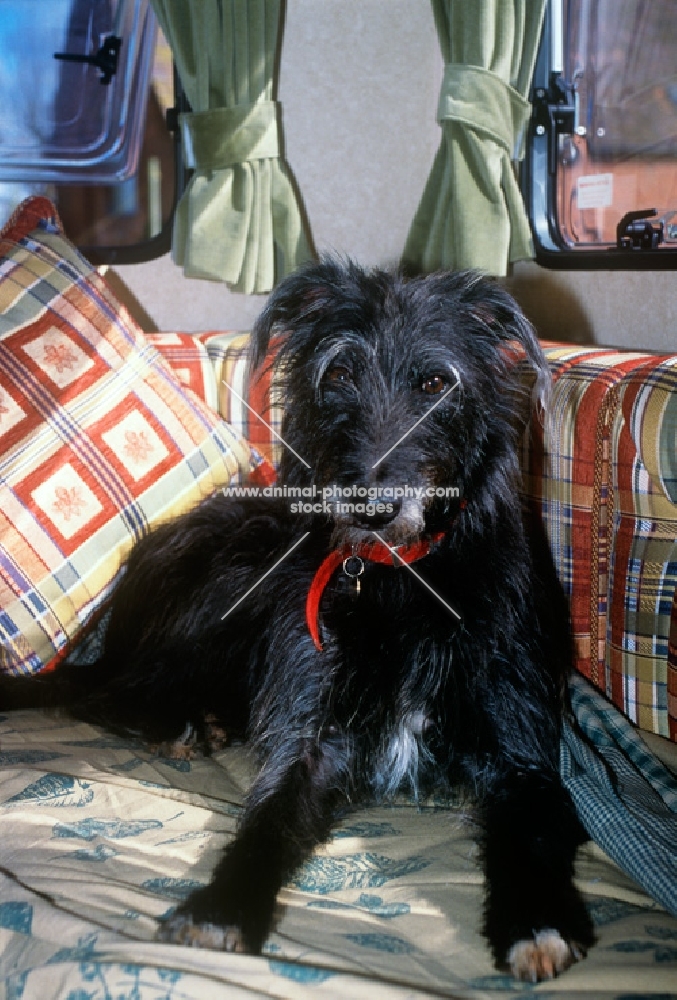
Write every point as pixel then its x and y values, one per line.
pixel 239 220
pixel 471 213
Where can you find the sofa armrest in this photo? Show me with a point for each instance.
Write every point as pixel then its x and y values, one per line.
pixel 611 520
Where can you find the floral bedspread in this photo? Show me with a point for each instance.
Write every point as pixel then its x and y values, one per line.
pixel 99 839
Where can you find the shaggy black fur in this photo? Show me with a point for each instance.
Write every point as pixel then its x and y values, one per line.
pixel 402 693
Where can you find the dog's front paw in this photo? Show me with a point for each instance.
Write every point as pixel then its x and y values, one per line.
pixel 218 917
pixel 543 956
pixel 181 929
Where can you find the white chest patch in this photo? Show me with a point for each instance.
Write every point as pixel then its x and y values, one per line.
pixel 401 756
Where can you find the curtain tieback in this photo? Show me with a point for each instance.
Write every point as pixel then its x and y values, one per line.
pixel 222 137
pixel 481 100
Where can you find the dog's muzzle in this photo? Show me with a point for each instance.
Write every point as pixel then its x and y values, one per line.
pixel 402 521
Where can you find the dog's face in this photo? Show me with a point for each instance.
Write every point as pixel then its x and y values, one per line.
pixel 399 397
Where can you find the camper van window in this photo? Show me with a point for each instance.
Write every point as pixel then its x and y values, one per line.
pixel 600 175
pixel 86 86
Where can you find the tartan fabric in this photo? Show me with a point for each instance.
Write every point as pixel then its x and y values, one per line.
pixel 189 361
pixel 672 668
pixel 644 583
pixel 203 372
pixel 245 405
pixel 252 407
pixel 611 523
pixel 98 441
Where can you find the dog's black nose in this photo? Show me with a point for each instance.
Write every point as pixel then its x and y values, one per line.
pixel 376 515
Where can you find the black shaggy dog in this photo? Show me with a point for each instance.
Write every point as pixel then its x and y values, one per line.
pixel 417 638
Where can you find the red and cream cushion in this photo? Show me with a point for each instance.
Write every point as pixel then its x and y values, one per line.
pixel 215 365
pixel 99 441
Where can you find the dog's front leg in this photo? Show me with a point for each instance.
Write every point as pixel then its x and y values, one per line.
pixel 535 920
pixel 290 810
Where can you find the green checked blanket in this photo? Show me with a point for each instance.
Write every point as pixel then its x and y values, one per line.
pixel 625 798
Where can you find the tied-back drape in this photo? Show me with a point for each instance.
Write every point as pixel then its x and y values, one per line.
pixel 471 213
pixel 239 219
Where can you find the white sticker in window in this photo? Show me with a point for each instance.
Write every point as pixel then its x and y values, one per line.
pixel 596 191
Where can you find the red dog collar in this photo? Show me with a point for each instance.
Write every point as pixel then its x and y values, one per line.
pixel 373 551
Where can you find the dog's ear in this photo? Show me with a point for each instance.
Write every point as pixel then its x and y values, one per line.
pixel 294 306
pixel 499 321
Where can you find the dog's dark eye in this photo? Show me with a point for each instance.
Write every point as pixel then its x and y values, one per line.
pixel 434 385
pixel 338 373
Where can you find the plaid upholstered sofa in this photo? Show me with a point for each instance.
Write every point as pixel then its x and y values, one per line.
pixel 603 472
pixel 605 476
pixel 104 432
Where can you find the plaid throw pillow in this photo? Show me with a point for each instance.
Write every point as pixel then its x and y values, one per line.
pixel 98 441
pixel 216 367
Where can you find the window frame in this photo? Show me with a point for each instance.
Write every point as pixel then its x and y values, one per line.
pixel 160 244
pixel 553 109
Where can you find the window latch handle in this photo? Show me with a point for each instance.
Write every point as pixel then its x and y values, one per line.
pixel 106 59
pixel 636 232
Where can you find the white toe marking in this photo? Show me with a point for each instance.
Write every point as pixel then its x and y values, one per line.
pixel 542 957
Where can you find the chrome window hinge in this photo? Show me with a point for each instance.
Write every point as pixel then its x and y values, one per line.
pixel 555 113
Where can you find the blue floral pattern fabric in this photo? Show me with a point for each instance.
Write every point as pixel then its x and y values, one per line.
pixel 99 838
